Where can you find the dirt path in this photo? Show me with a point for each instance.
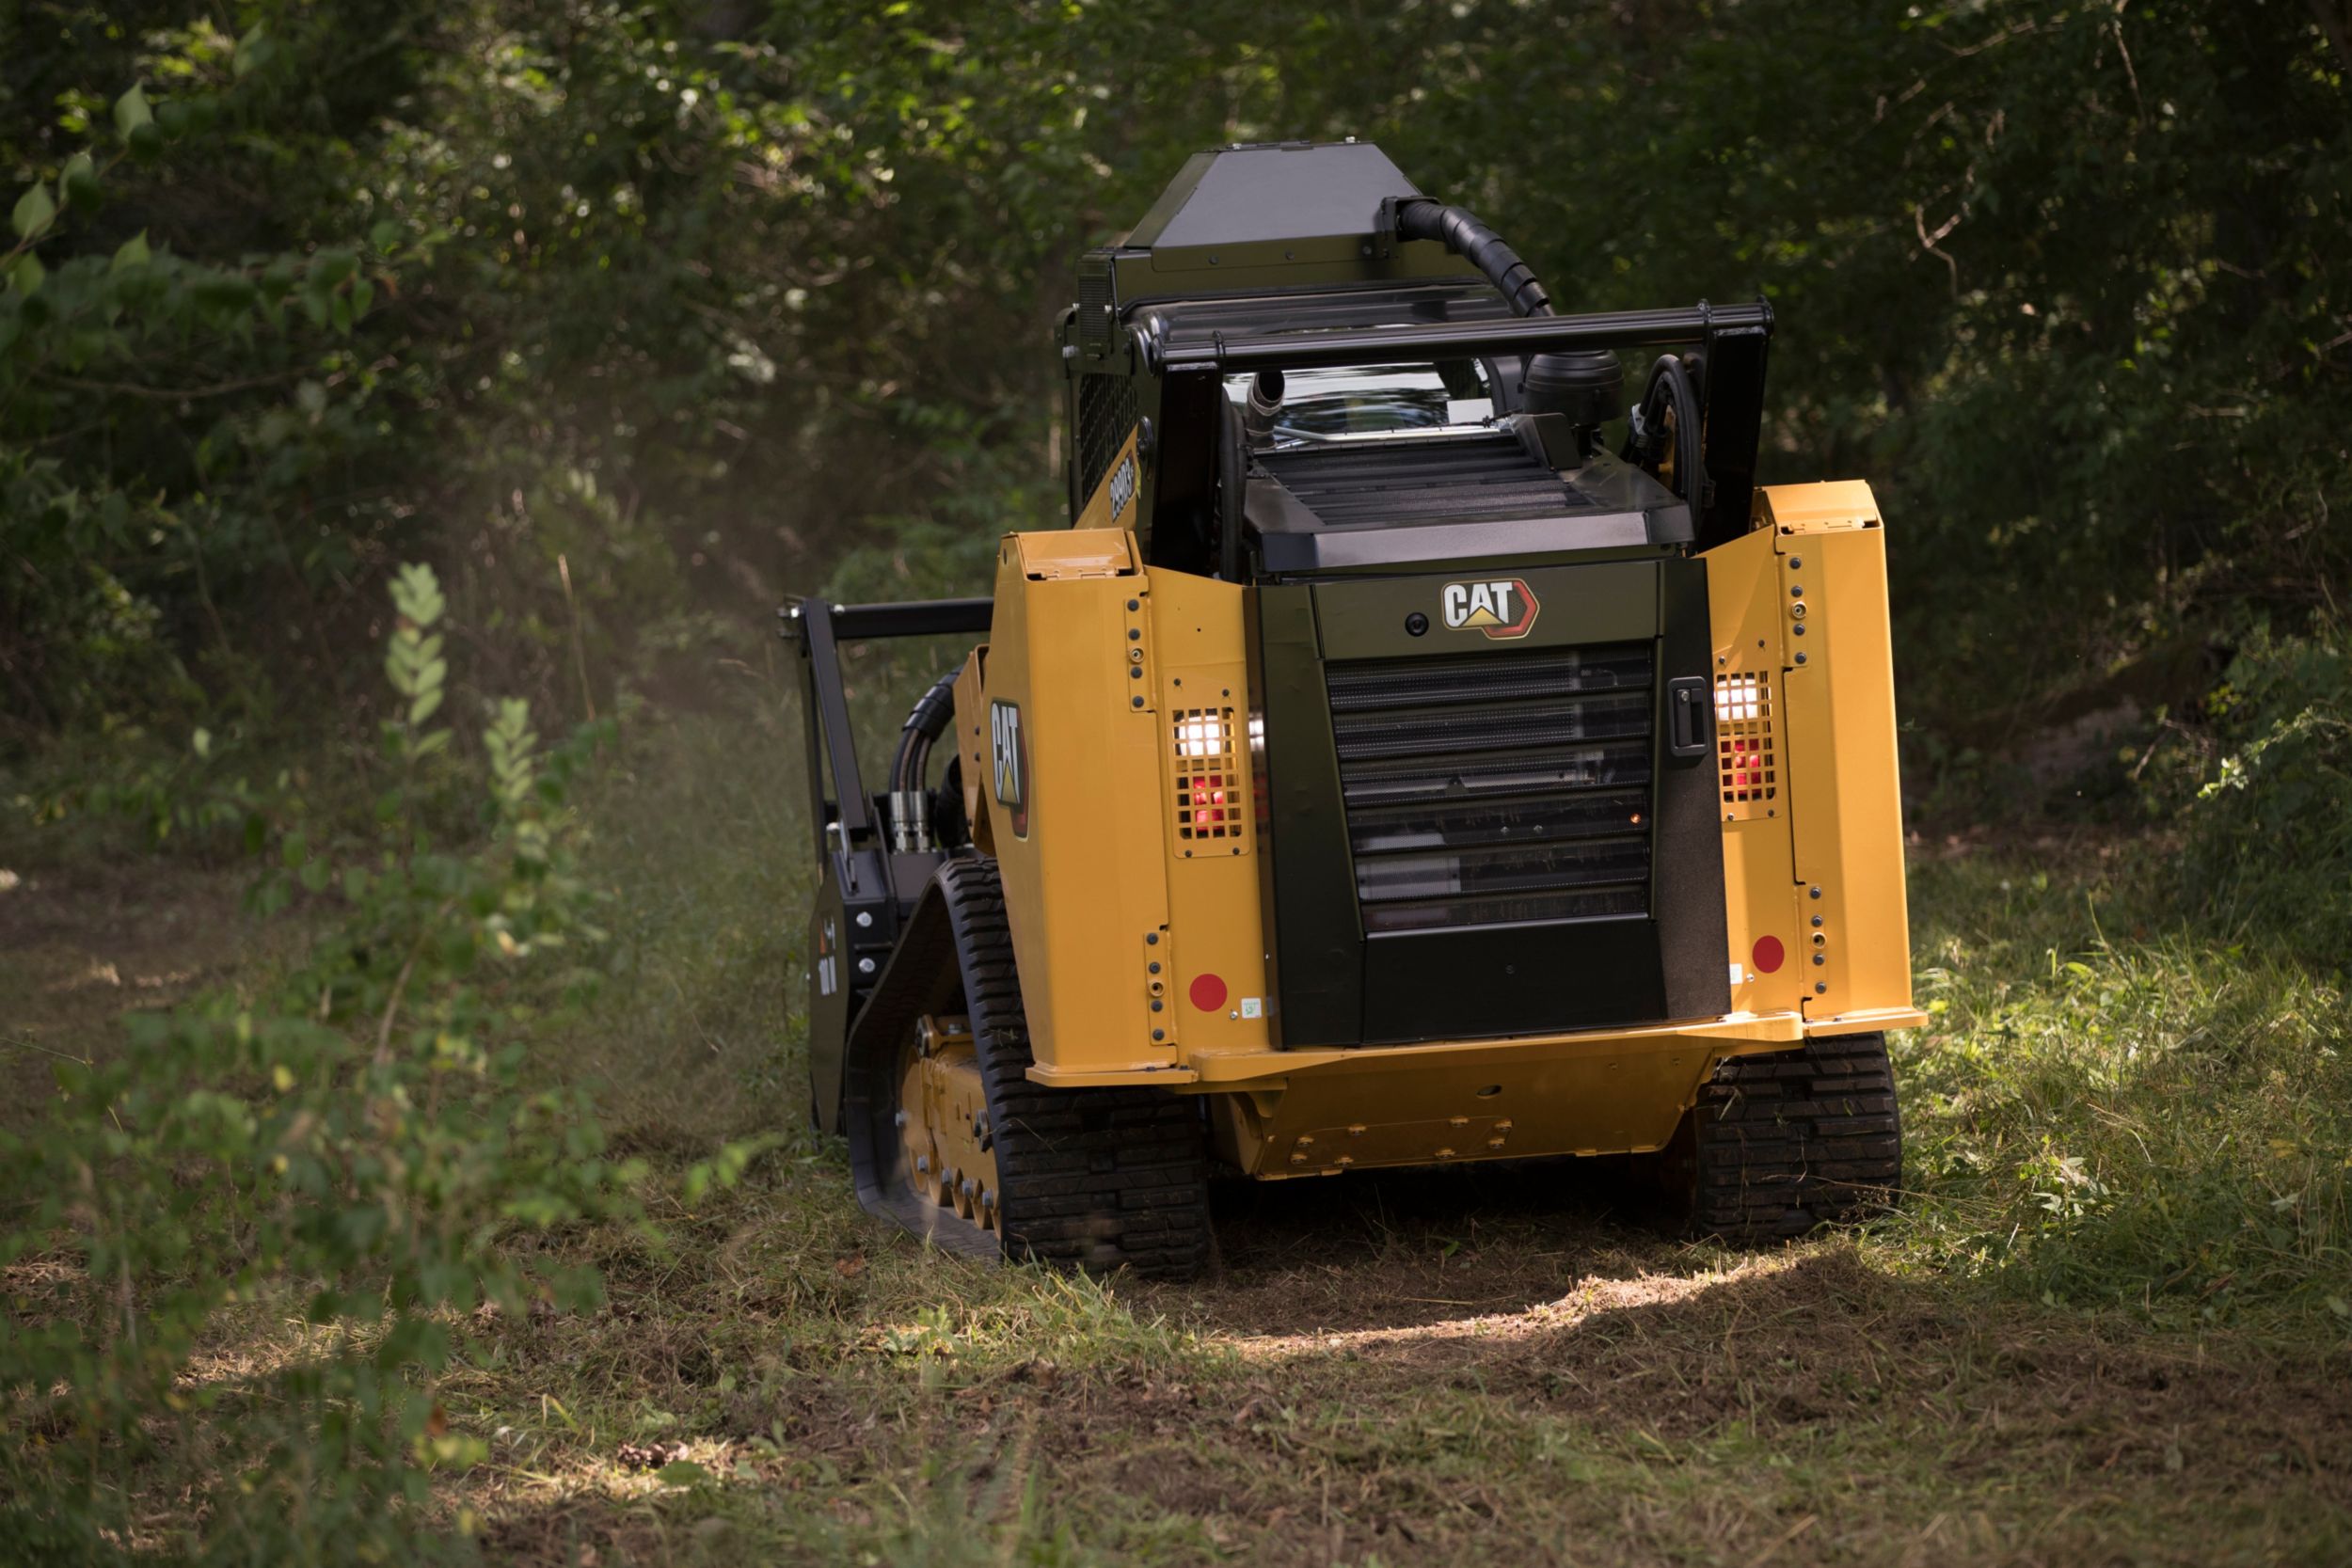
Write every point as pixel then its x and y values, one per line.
pixel 1470 1367
pixel 81 945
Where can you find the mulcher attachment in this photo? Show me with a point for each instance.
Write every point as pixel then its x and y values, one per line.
pixel 1782 1143
pixel 1098 1178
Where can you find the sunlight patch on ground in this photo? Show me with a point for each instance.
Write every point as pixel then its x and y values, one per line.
pixel 250 1360
pixel 1589 1299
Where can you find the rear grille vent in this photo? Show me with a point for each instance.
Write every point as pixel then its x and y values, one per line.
pixel 1743 743
pixel 1106 412
pixel 1492 789
pixel 1484 476
pixel 1208 779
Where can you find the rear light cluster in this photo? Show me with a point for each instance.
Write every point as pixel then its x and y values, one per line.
pixel 1743 743
pixel 1208 776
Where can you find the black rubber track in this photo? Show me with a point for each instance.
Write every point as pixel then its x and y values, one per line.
pixel 1786 1142
pixel 1098 1178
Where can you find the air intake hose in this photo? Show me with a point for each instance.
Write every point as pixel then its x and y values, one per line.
pixel 1421 218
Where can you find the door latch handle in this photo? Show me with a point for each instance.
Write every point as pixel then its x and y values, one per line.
pixel 1689 719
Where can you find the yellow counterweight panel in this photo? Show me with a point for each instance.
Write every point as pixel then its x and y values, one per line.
pixel 1217 965
pixel 1839 684
pixel 1764 925
pixel 1076 781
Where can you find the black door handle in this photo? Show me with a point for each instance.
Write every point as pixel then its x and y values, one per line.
pixel 1689 719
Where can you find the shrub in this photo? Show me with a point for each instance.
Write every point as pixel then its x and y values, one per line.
pixel 2270 841
pixel 246 1247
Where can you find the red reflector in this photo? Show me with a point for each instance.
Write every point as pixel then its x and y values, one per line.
pixel 1208 992
pixel 1768 955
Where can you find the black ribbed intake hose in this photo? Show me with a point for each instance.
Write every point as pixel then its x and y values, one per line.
pixel 1421 218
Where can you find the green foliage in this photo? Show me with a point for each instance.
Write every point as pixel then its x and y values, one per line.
pixel 631 313
pixel 160 417
pixel 2270 837
pixel 355 1152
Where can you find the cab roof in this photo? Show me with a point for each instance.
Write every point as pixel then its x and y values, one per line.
pixel 1272 191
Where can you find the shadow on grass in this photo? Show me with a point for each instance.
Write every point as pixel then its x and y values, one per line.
pixel 1393 1248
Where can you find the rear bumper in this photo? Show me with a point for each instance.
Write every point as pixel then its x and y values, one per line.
pixel 1733 1035
pixel 1278 1113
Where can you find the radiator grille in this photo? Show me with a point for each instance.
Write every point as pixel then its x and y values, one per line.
pixel 1208 778
pixel 1106 412
pixel 1489 788
pixel 1750 771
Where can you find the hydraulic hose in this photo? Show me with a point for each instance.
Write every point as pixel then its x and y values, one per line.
pixel 1423 218
pixel 909 829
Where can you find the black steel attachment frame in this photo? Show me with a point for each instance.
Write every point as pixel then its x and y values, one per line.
pixel 865 886
pixel 819 628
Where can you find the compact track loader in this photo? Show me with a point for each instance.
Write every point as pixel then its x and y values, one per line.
pixel 1378 771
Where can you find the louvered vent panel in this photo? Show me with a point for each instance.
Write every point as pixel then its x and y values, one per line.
pixel 1485 476
pixel 1492 789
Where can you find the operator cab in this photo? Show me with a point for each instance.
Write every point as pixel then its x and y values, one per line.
pixel 1244 399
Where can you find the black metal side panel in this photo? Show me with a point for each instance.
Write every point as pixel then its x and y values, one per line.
pixel 851 931
pixel 831 1001
pixel 1315 969
pixel 1734 392
pixel 1694 940
pixel 1512 980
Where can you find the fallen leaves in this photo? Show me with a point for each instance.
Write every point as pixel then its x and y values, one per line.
pixel 648 1456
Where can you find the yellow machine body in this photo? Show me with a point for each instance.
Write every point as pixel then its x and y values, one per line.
pixel 1106 738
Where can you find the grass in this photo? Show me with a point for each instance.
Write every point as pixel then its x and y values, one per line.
pixel 2109 1325
pixel 2109 1111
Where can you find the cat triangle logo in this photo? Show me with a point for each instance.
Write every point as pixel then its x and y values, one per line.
pixel 1502 609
